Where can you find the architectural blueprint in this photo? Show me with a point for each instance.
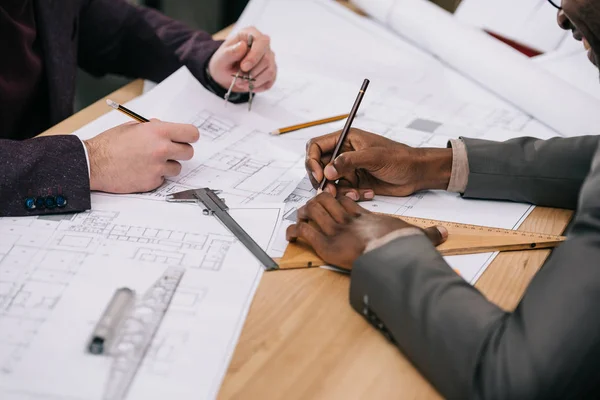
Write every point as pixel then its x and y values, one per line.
pixel 58 272
pixel 235 153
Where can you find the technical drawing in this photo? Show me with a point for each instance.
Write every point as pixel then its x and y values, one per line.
pixel 215 256
pixel 164 352
pixel 244 171
pixel 34 274
pixel 212 127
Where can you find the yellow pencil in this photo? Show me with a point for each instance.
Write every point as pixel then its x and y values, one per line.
pixel 126 111
pixel 292 128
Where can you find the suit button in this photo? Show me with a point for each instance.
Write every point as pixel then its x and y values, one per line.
pixel 30 203
pixel 366 310
pixel 61 201
pixel 40 202
pixel 50 202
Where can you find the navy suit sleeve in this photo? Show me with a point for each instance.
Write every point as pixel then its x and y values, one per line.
pixel 121 38
pixel 43 175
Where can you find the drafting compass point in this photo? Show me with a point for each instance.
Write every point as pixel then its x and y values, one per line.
pixel 213 205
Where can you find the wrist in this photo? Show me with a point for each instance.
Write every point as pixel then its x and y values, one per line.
pixel 93 151
pixel 436 168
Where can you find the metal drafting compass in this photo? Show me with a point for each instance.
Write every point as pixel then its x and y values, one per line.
pixel 215 206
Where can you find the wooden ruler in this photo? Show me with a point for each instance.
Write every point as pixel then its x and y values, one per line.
pixel 462 239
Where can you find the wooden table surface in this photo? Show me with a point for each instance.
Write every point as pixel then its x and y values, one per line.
pixel 302 339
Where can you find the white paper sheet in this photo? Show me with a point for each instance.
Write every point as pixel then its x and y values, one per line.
pixel 59 272
pixel 492 64
pixel 530 22
pixel 573 67
pixel 235 153
pixel 413 98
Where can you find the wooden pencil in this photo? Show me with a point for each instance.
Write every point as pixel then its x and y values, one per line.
pixel 296 127
pixel 126 111
pixel 346 129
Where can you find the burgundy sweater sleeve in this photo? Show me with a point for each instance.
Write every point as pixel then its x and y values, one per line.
pixel 44 175
pixel 138 42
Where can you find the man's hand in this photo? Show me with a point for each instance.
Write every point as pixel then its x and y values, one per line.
pixel 233 55
pixel 136 157
pixel 370 164
pixel 340 230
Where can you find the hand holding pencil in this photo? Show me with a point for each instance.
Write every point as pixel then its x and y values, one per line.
pixel 369 164
pixel 138 157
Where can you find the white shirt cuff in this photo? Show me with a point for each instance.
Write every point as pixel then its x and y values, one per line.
pixel 459 177
pixel 87 157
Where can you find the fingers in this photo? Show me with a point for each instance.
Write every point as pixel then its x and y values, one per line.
pixel 316 213
pixel 171 168
pixel 261 45
pixel 180 151
pixel 437 234
pixel 351 207
pixel 264 79
pixel 309 234
pixel 355 194
pixel 323 203
pixel 346 164
pixel 182 133
pixel 233 53
pixel 316 149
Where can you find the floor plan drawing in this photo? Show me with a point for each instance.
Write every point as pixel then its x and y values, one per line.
pixel 45 260
pixel 211 126
pixel 248 170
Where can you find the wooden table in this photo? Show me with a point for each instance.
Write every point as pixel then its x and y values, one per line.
pixel 302 340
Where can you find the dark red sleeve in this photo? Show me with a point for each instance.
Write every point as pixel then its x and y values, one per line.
pixel 44 175
pixel 121 38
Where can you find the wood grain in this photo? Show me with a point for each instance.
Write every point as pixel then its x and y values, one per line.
pixel 302 339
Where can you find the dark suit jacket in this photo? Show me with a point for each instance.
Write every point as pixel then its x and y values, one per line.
pixel 549 347
pixel 100 36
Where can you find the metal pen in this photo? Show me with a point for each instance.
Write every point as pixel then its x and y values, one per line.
pixel 107 325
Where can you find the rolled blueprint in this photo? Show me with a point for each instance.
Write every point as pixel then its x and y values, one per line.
pixel 491 63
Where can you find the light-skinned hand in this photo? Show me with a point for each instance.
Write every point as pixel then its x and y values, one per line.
pixel 233 54
pixel 339 230
pixel 137 157
pixel 370 164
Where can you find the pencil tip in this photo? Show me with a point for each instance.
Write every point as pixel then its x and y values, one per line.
pixel 112 104
pixel 275 132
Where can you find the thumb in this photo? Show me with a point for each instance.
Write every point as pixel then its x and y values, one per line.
pixel 347 163
pixel 234 53
pixel 437 234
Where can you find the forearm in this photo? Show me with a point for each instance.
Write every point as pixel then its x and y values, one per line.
pixel 51 171
pixel 541 172
pixel 469 348
pixel 117 37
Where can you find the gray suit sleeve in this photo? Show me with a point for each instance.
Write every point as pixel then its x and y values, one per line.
pixel 541 172
pixel 467 347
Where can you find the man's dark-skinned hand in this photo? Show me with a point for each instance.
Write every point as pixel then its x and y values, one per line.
pixel 371 164
pixel 339 230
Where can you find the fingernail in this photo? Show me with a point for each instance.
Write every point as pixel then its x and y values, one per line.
pixel 352 195
pixel 236 46
pixel 314 174
pixel 331 172
pixel 443 231
pixel 369 194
